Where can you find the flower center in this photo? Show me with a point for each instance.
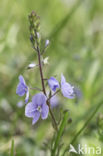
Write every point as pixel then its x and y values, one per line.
pixel 39 109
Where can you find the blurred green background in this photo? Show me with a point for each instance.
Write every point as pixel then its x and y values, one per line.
pixel 75 30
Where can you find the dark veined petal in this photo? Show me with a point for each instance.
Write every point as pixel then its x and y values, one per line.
pixel 53 83
pixel 39 99
pixel 36 117
pixel 30 110
pixel 21 87
pixel 21 90
pixel 45 110
pixel 67 90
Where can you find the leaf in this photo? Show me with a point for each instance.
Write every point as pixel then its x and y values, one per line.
pixel 59 133
pixel 12 148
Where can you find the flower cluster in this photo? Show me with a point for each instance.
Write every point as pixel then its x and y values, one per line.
pixel 41 102
pixel 38 106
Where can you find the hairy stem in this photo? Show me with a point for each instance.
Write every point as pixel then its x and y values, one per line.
pixel 43 87
pixel 53 118
pixel 41 72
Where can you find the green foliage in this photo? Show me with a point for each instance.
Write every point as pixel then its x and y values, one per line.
pixel 12 148
pixel 57 140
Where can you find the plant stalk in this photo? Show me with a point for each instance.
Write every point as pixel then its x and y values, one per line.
pixel 43 87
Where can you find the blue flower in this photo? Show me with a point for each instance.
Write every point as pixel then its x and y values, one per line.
pixel 37 107
pixel 20 104
pixel 54 101
pixel 66 88
pixel 22 88
pixel 53 83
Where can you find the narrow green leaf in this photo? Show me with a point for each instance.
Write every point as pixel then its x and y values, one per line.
pixel 60 132
pixel 12 148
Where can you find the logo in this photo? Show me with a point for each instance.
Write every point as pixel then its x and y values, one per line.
pixel 85 149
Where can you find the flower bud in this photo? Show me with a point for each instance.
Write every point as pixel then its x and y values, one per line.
pixel 32 65
pixel 47 43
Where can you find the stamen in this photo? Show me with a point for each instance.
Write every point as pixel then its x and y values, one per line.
pixel 39 109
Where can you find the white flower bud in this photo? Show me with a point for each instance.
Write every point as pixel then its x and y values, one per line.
pixel 32 65
pixel 47 43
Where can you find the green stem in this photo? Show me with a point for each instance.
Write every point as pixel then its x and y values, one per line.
pixel 84 126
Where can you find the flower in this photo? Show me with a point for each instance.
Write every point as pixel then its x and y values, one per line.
pixel 54 101
pixel 78 92
pixel 53 83
pixel 37 107
pixel 66 88
pixel 22 88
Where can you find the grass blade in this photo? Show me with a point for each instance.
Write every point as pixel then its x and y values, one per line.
pixel 59 133
pixel 12 148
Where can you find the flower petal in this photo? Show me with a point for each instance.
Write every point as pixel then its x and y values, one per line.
pixel 21 87
pixel 21 79
pixel 39 99
pixel 62 79
pixel 30 110
pixel 53 83
pixel 67 90
pixel 45 110
pixel 21 90
pixel 54 101
pixel 27 96
pixel 36 117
